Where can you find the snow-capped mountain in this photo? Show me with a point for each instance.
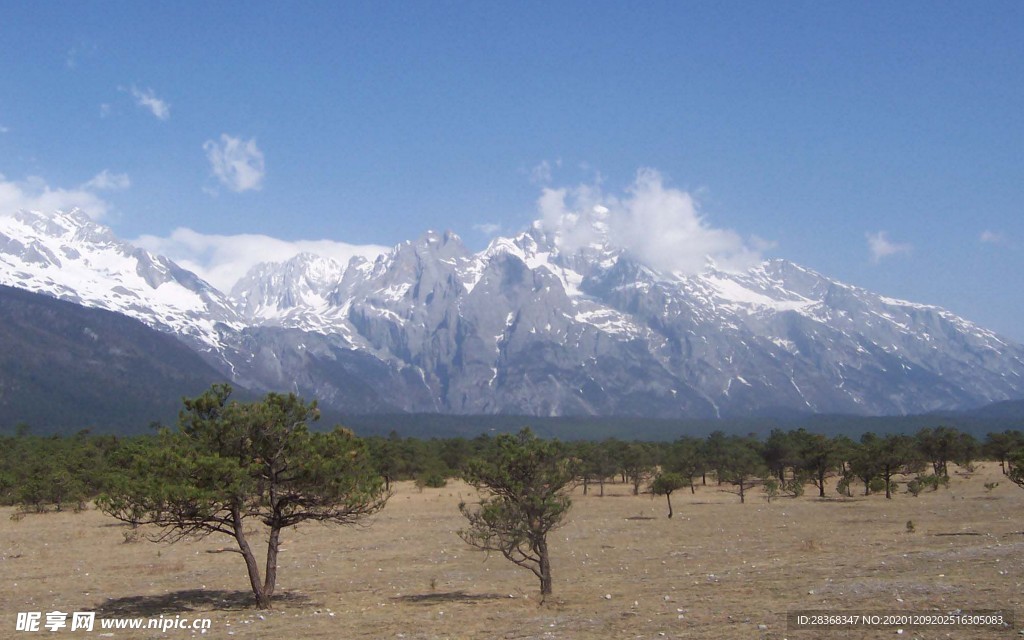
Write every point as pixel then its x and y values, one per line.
pixel 535 325
pixel 70 257
pixel 540 324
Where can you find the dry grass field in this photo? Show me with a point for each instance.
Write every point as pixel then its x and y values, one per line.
pixel 719 569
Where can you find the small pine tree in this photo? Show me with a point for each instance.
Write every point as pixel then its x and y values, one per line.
pixel 526 482
pixel 664 484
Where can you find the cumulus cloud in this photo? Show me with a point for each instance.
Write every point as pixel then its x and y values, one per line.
pixel 222 260
pixel 237 164
pixel 148 100
pixel 35 194
pixel 662 226
pixel 881 246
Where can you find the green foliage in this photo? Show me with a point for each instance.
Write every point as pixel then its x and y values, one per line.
pixel 739 461
pixel 914 487
pixel 665 483
pixel 525 481
pixel 1016 470
pixel 843 486
pixel 771 488
pixel 1001 446
pixel 943 445
pixel 933 482
pixel 795 486
pixel 686 457
pixel 636 463
pixel 892 455
pixel 42 474
pixel 432 479
pixel 816 456
pixel 230 462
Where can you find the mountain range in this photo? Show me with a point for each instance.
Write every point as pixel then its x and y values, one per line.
pixel 534 324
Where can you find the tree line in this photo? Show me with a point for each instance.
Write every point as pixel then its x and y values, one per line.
pixel 40 473
pixel 229 464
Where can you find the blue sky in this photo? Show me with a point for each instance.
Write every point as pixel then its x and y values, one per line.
pixel 878 143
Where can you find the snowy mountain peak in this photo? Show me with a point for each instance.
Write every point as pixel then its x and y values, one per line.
pixel 553 321
pixel 303 281
pixel 69 256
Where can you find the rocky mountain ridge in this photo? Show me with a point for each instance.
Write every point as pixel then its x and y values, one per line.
pixel 535 324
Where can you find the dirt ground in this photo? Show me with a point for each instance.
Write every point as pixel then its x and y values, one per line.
pixel 719 569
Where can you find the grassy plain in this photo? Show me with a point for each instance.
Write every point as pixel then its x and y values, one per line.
pixel 719 569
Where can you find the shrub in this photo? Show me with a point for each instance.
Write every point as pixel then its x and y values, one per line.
pixel 915 486
pixel 432 479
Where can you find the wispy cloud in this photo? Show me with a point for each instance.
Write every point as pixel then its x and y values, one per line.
pixel 35 194
pixel 148 100
pixel 993 237
pixel 237 164
pixel 662 226
pixel 222 260
pixel 4 129
pixel 542 172
pixel 107 181
pixel 880 246
pixel 487 228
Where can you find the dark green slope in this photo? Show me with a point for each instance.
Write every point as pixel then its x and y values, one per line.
pixel 64 367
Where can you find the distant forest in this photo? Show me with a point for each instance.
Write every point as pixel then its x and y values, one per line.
pixel 993 418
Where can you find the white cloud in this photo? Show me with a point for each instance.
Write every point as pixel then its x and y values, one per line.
pixel 662 226
pixel 148 100
pixel 106 181
pixel 993 237
pixel 35 194
pixel 236 163
pixel 4 129
pixel 222 260
pixel 487 228
pixel 881 247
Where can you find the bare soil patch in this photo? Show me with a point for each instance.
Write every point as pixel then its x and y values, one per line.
pixel 718 569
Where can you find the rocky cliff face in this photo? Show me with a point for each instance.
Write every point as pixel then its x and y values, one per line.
pixel 535 325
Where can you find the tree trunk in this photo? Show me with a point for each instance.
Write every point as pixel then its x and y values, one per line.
pixel 545 568
pixel 262 598
pixel 821 483
pixel 741 492
pixel 273 544
pixel 668 496
pixel 602 486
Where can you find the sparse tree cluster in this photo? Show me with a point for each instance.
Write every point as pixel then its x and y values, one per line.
pixel 230 465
